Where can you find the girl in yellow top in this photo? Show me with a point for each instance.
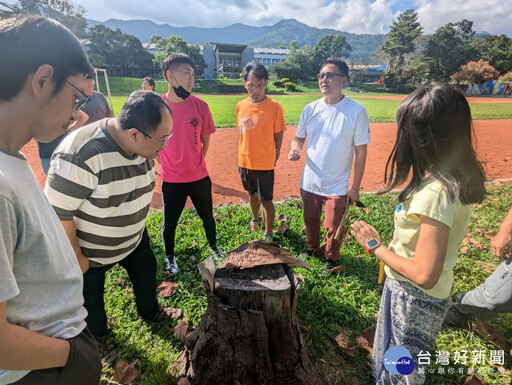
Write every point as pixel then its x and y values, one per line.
pixel 434 147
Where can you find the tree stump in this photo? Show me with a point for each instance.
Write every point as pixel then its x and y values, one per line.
pixel 249 334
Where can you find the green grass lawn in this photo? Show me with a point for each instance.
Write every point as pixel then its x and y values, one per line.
pixel 379 110
pixel 328 303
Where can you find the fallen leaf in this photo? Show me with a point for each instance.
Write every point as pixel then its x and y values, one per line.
pixel 320 296
pixel 282 218
pixel 120 281
pixel 486 266
pixel 343 341
pixel 193 258
pixel 173 312
pixel 303 229
pixel 476 243
pixel 473 380
pixel 301 277
pixel 194 244
pixel 125 373
pixel 490 333
pixel 229 214
pixel 367 211
pixel 167 288
pixel 464 249
pixel 281 229
pixel 181 329
pixel 338 269
pixel 365 341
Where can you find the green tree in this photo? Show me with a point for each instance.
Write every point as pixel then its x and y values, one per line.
pixel 447 49
pixel 329 46
pixel 175 44
pixel 400 40
pixel 116 49
pixel 153 39
pixel 72 16
pixel 497 50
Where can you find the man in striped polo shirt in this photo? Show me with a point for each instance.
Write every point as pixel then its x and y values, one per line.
pixel 100 184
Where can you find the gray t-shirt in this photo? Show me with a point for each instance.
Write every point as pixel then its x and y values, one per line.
pixel 40 278
pixel 97 108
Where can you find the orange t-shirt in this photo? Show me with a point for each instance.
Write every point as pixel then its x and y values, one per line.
pixel 258 122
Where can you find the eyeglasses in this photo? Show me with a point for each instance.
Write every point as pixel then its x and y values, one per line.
pixel 328 75
pixel 154 140
pixel 79 102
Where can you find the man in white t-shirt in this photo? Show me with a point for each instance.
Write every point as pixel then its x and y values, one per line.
pixel 336 128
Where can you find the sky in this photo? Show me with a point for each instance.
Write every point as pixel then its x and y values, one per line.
pixel 355 16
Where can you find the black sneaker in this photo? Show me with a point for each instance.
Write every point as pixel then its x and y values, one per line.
pixel 107 348
pixel 329 264
pixel 216 254
pixel 170 264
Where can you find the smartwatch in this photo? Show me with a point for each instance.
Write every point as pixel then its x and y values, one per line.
pixel 371 245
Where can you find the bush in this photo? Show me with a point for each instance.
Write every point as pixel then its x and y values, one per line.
pixel 476 72
pixel 289 86
pixel 278 84
pixel 285 80
pixel 507 78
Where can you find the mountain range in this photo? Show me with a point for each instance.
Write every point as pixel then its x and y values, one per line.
pixel 279 34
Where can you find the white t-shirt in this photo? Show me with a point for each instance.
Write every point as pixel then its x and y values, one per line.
pixel 332 131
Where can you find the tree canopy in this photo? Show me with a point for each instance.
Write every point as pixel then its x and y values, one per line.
pixel 175 44
pixel 72 16
pixel 117 49
pixel 400 40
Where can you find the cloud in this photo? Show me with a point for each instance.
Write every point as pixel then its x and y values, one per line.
pixel 356 16
pixel 493 16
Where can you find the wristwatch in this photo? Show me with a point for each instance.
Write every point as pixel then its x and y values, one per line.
pixel 371 245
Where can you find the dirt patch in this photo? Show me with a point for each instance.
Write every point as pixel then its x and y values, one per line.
pixel 494 146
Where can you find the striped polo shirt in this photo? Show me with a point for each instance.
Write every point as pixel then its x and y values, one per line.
pixel 107 192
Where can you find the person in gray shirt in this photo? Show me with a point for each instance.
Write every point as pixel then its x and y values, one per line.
pixel 43 334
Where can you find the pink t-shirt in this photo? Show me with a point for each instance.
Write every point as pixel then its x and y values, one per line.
pixel 182 161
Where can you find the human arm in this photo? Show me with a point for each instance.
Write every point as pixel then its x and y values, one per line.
pixel 278 139
pixel 359 165
pixel 79 118
pixel 205 140
pixel 502 242
pixel 296 148
pixel 70 229
pixel 23 349
pixel 429 255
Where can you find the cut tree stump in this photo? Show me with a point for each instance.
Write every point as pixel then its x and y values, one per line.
pixel 249 334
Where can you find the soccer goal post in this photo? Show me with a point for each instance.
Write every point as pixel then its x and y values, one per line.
pixel 104 72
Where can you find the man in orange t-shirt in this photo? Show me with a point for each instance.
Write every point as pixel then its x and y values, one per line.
pixel 261 123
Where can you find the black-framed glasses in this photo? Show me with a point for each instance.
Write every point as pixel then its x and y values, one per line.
pixel 328 75
pixel 79 102
pixel 163 143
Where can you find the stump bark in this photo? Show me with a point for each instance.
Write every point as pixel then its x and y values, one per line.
pixel 249 333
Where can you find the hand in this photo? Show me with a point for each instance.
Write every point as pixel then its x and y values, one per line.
pixel 294 155
pixel 501 243
pixel 83 261
pixel 278 152
pixel 363 232
pixel 352 196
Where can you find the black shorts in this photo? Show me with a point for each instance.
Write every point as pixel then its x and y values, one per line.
pixel 258 181
pixel 83 366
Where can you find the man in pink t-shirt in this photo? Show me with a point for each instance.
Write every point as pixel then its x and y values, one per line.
pixel 182 166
